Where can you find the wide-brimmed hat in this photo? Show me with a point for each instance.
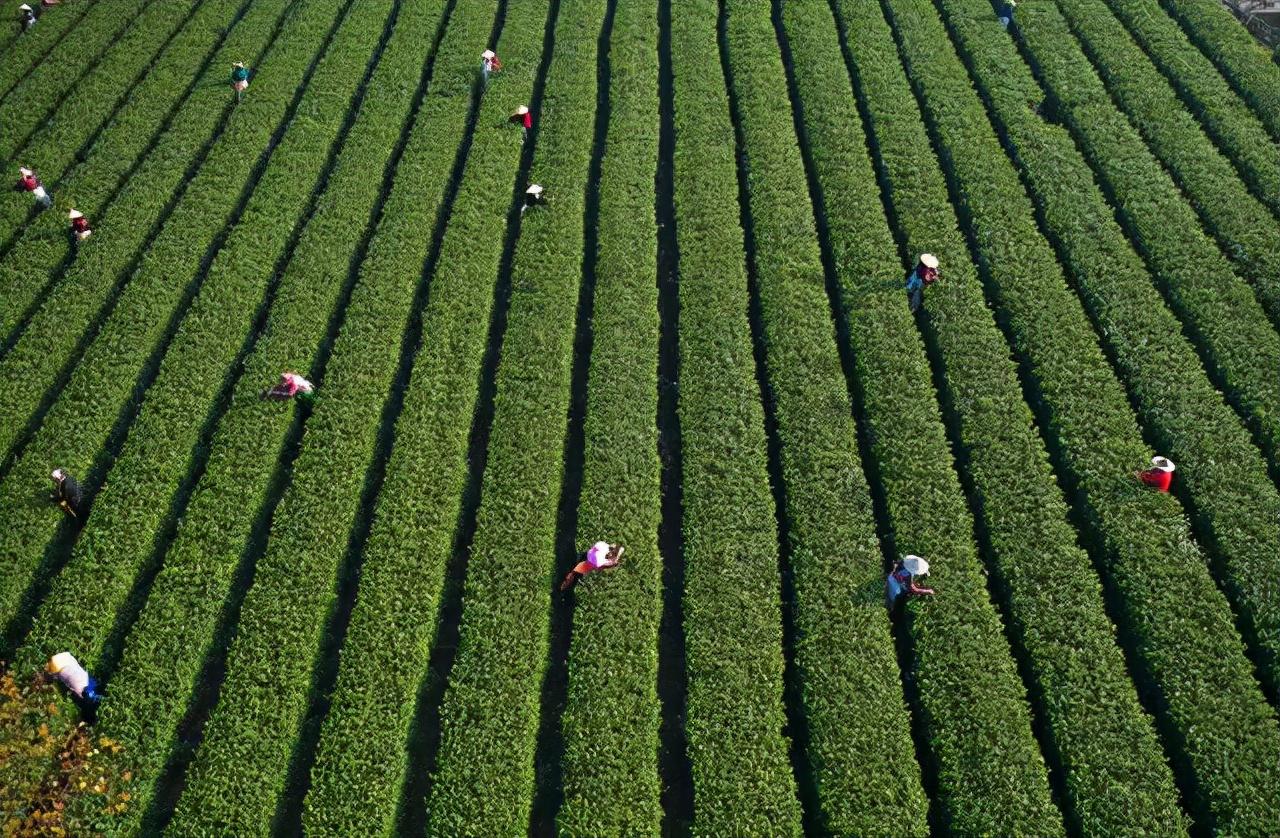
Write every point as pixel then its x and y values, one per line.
pixel 928 260
pixel 535 190
pixel 522 110
pixel 238 64
pixel 74 214
pixel 915 565
pixel 488 54
pixel 25 172
pixel 1163 463
pixel 24 8
pixel 57 474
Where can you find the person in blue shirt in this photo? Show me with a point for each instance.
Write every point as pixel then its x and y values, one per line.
pixel 1004 12
pixel 925 274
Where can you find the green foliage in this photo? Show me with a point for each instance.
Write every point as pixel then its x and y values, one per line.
pixel 117 58
pixel 1184 645
pixel 24 53
pixel 611 718
pixel 484 777
pixel 1225 116
pixel 103 382
pixel 89 178
pixel 1051 591
pixel 734 715
pixel 970 741
pixel 236 778
pixel 1233 50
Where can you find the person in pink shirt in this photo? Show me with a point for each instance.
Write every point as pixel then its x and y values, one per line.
pixel 291 384
pixel 30 183
pixel 79 225
pixel 600 556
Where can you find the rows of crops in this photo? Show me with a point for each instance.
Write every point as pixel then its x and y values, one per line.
pixel 341 615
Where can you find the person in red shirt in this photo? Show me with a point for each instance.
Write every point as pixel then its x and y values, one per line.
pixel 523 118
pixel 1160 475
pixel 80 225
pixel 489 64
pixel 30 183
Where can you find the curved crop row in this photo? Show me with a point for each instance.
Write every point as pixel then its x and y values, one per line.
pixel 78 56
pixel 1232 49
pixel 153 117
pixel 484 778
pixel 1221 474
pixel 612 717
pixel 1079 679
pixel 1177 624
pixel 54 145
pixel 23 53
pixel 237 775
pixel 1160 219
pixel 1236 129
pixel 104 382
pixel 970 741
pixel 180 621
pixel 135 507
pixel 957 645
pixel 734 719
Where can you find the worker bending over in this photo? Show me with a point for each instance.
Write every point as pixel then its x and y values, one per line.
pixel 26 17
pixel 533 197
pixel 80 225
pixel 239 78
pixel 600 556
pixel 489 64
pixel 924 275
pixel 1160 475
pixel 28 182
pixel 902 579
pixel 1004 12
pixel 524 119
pixel 291 384
pixel 66 492
pixel 65 668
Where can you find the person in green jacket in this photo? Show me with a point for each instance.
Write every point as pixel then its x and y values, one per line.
pixel 239 78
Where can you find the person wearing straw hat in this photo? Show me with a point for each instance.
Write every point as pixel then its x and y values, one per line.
pixel 601 555
pixel 239 78
pixel 79 225
pixel 26 17
pixel 924 275
pixel 1160 475
pixel 65 668
pixel 1004 12
pixel 524 119
pixel 291 384
pixel 902 579
pixel 28 182
pixel 66 492
pixel 489 64
pixel 533 197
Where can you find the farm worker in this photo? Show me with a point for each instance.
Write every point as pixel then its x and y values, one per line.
pixel 924 275
pixel 26 17
pixel 65 668
pixel 1160 475
pixel 489 64
pixel 1005 12
pixel 532 197
pixel 239 78
pixel 523 118
pixel 291 384
pixel 66 492
pixel 902 579
pixel 30 183
pixel 80 225
pixel 599 556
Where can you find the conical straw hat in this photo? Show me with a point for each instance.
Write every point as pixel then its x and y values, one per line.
pixel 928 260
pixel 1162 463
pixel 74 214
pixel 915 565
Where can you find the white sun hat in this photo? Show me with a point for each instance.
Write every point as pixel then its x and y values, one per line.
pixel 57 474
pixel 915 565
pixel 74 214
pixel 24 171
pixel 1162 463
pixel 488 54
pixel 928 260
pixel 535 190
pixel 24 8
pixel 522 110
